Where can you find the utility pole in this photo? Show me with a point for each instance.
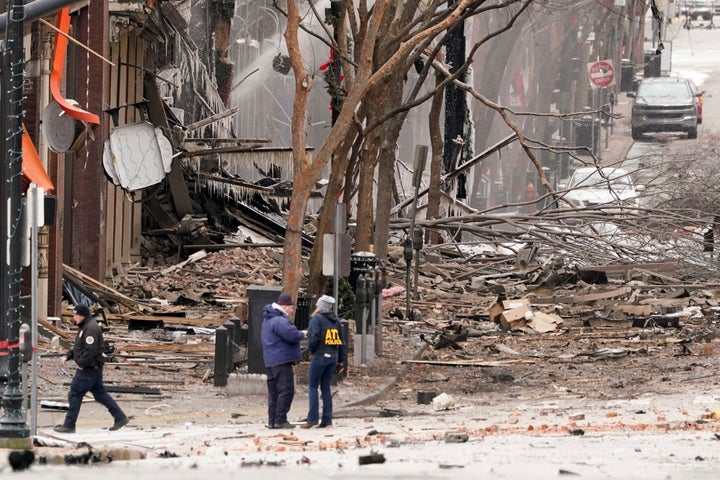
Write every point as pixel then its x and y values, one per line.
pixel 335 65
pixel 14 432
pixel 455 103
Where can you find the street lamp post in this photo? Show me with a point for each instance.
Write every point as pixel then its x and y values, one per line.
pixel 14 432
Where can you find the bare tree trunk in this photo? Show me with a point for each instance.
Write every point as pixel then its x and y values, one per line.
pixel 292 261
pixel 326 216
pixel 305 173
pixel 367 76
pixel 368 162
pixel 386 170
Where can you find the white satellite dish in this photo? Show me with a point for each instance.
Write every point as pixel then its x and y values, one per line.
pixel 60 129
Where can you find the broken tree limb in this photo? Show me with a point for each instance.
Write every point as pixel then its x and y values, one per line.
pixel 649 266
pixel 459 169
pixel 469 363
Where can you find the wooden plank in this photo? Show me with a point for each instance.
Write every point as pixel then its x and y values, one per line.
pixel 171 347
pixel 49 326
pixel 211 119
pixel 135 390
pixel 134 304
pixel 589 298
pixel 167 319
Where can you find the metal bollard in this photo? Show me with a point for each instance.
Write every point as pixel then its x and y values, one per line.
pixel 239 339
pixel 231 345
pixel 372 284
pixel 220 376
pixel 361 298
pixel 237 333
pixel 381 281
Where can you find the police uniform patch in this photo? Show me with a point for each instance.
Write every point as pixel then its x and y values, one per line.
pixel 89 340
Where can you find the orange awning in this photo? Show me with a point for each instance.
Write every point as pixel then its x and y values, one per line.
pixel 32 167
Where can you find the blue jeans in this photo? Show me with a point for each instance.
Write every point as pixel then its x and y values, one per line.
pixel 322 368
pixel 281 391
pixel 89 380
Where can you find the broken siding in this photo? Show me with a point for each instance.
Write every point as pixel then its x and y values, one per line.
pixel 255 167
pixel 124 213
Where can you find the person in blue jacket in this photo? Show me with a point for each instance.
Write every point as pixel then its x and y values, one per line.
pixel 327 347
pixel 281 350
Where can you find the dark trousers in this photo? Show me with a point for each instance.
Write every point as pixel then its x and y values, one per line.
pixel 281 391
pixel 320 374
pixel 89 380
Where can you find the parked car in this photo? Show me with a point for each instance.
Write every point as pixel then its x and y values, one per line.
pixel 664 104
pixel 697 9
pixel 592 186
pixel 698 94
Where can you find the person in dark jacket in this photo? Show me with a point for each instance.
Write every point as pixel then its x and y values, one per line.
pixel 281 351
pixel 87 354
pixel 328 356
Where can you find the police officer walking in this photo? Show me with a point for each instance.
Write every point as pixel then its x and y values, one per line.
pixel 87 354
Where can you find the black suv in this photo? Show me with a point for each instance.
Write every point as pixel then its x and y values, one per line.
pixel 664 104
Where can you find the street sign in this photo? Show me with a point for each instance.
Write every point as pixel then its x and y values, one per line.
pixel 344 250
pixel 601 74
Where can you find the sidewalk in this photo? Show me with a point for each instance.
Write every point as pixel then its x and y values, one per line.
pixel 615 147
pixel 202 420
pixel 219 435
pixel 614 141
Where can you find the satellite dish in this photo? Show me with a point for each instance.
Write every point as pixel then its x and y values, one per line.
pixel 60 129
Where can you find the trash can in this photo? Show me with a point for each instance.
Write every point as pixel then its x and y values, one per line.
pixel 562 158
pixel 258 297
pixel 627 75
pixel 652 64
pixel 360 263
pixel 584 134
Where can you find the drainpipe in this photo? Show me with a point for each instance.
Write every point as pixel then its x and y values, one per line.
pixel 44 231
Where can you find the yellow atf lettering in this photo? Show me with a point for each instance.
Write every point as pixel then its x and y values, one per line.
pixel 332 337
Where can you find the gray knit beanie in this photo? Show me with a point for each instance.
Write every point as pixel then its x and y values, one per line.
pixel 325 303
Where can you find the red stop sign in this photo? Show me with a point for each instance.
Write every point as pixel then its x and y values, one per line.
pixel 602 74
